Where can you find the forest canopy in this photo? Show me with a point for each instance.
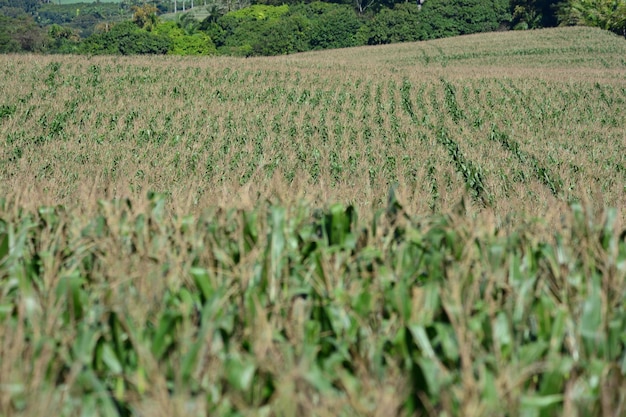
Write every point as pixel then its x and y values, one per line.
pixel 272 27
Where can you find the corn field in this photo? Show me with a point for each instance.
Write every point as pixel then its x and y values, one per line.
pixel 420 229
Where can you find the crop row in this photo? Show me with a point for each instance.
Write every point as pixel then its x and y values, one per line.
pixel 305 311
pixel 329 134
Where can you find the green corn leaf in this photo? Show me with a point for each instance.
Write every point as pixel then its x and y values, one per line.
pixel 608 230
pixel 157 204
pixel 5 310
pixel 201 278
pixel 502 333
pixel 616 337
pixel 362 302
pixel 98 393
pixel 164 336
pixel 532 352
pixel 85 344
pixel 553 381
pixel 240 372
pixel 447 339
pixel 4 241
pixel 70 288
pixel 319 380
pixel 276 248
pixel 402 300
pixel 110 359
pixel 432 375
pixel 422 340
pixel 190 360
pixel 187 223
pixel 250 231
pixel 559 329
pixel 591 321
pixel 538 402
pixel 489 389
pixel 49 216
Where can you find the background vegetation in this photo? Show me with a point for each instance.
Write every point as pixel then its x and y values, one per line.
pixel 243 28
pixel 412 229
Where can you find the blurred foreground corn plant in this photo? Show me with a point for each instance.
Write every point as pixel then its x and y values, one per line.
pixel 293 311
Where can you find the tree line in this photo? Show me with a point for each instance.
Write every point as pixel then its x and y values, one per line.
pixel 274 27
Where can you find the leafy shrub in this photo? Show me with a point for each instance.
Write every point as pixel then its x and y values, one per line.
pixel 198 43
pixel 336 27
pixel 236 32
pixel 126 39
pixel 442 18
pixel 20 33
pixel 436 19
pixel 400 24
pixel 63 39
pixel 284 36
pixel 605 14
pixel 82 17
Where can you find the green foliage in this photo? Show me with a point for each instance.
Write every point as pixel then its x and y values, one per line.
pixel 7 111
pixel 271 30
pixel 605 14
pixel 83 18
pixel 49 13
pixel 145 16
pixel 400 24
pixel 7 41
pixel 532 14
pixel 259 12
pixel 232 38
pixel 241 32
pixel 21 33
pixel 442 18
pixel 336 26
pixel 183 43
pixel 63 39
pixel 126 39
pixel 408 22
pixel 287 35
pixel 254 30
pixel 24 6
pixel 449 315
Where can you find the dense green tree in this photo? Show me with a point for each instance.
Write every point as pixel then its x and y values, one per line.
pixel 237 32
pixel 443 18
pixel 435 19
pixel 186 42
pixel 21 34
pixel 145 16
pixel 236 37
pixel 605 14
pixel 259 12
pixel 27 6
pixel 285 26
pixel 335 26
pixel 126 39
pixel 283 36
pixel 62 39
pixel 187 22
pixel 7 41
pixel 10 11
pixel 83 18
pixel 400 24
pixel 532 14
